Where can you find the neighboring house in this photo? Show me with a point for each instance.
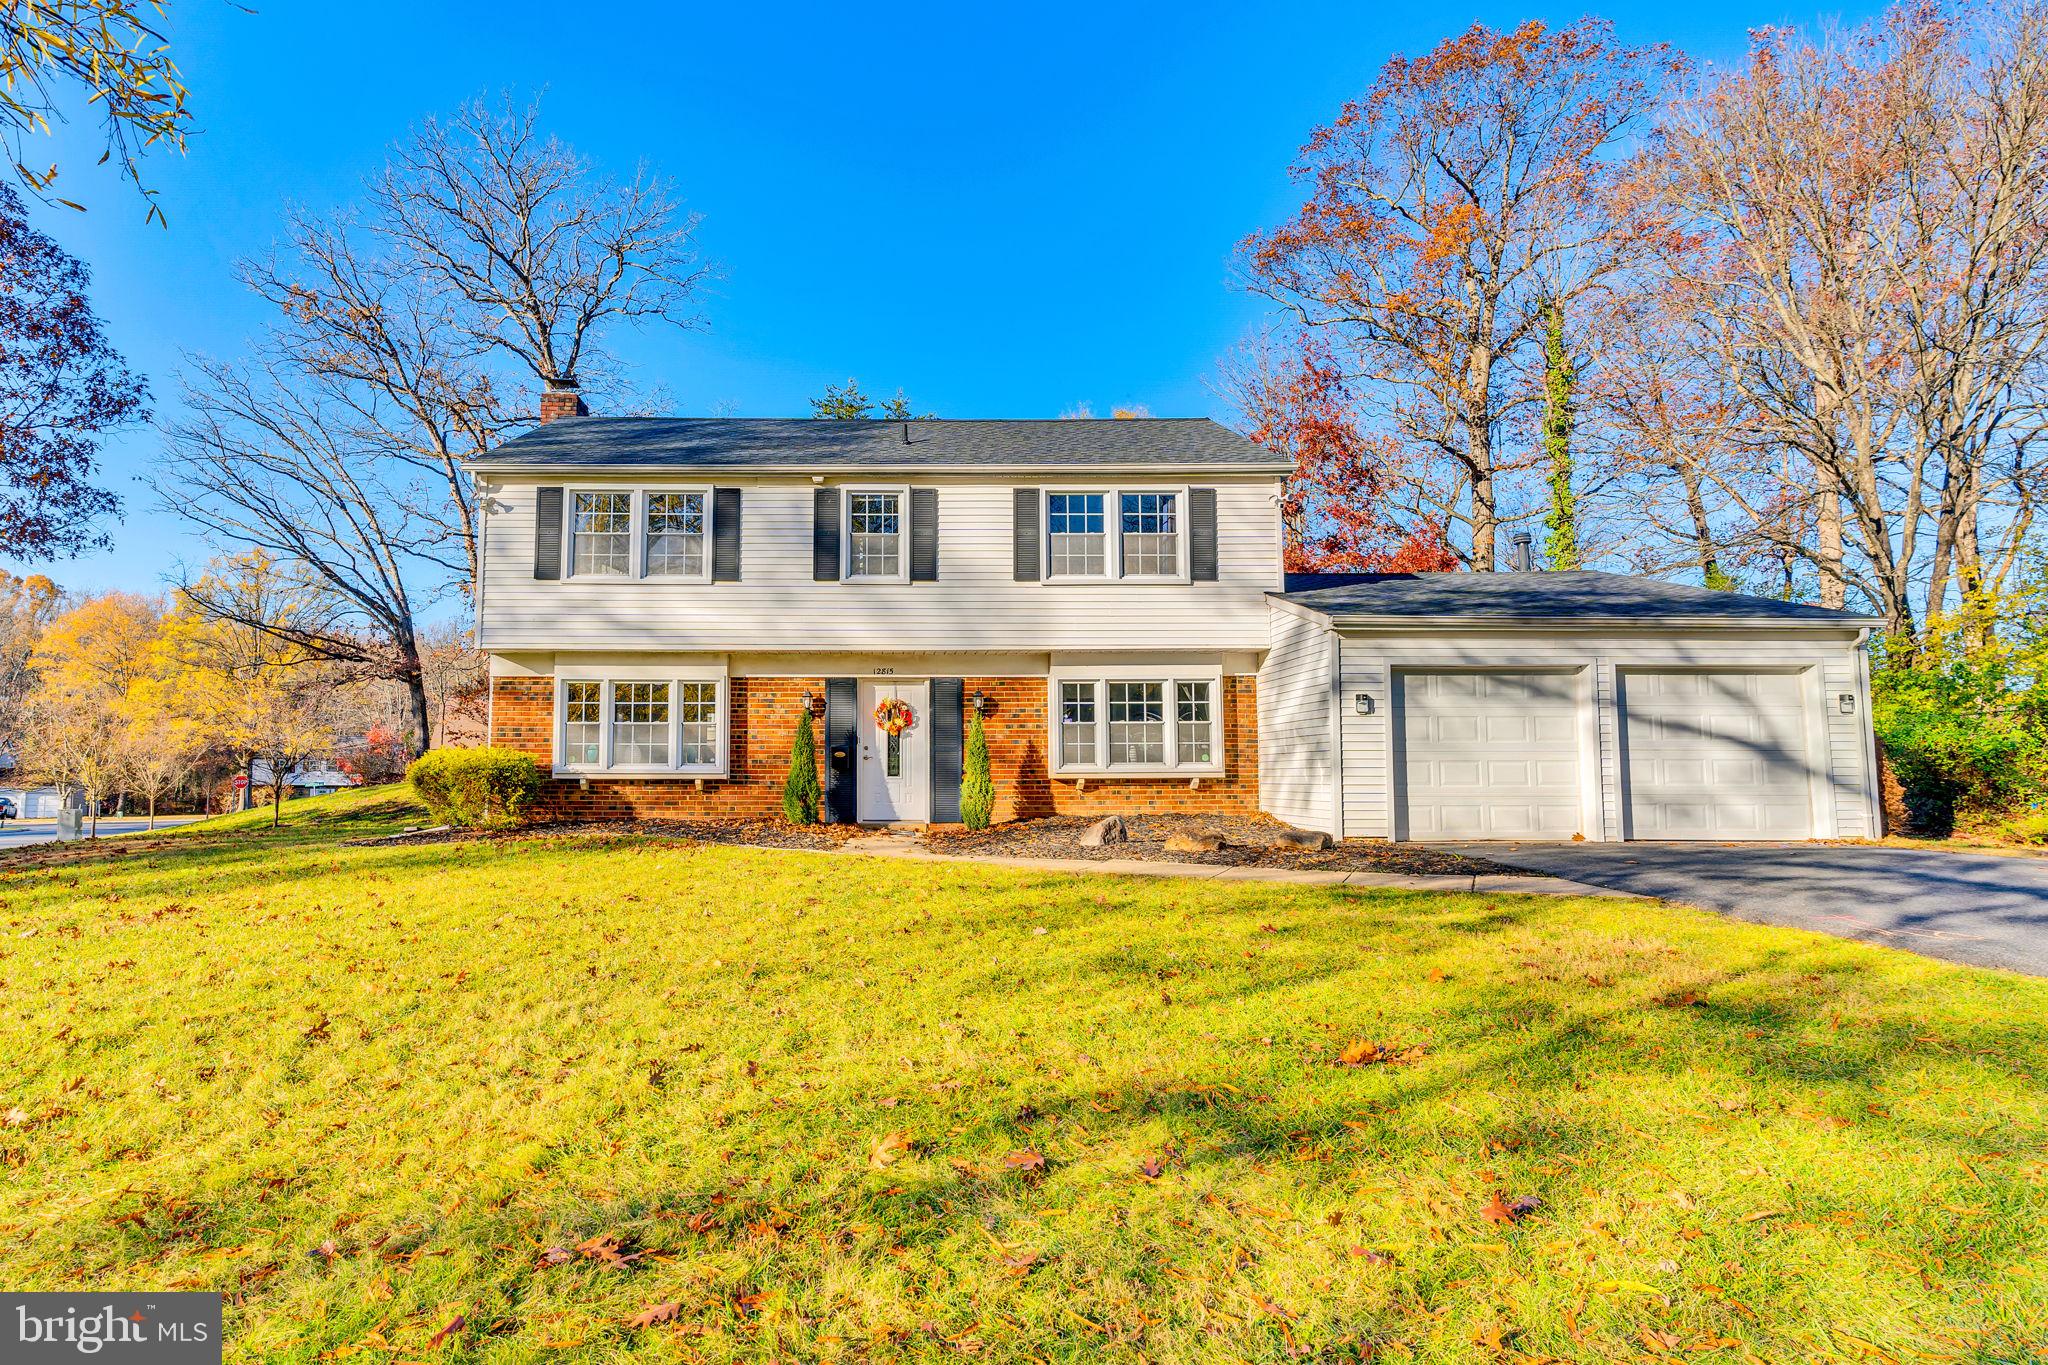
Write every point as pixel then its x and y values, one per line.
pixel 307 780
pixel 660 597
pixel 34 803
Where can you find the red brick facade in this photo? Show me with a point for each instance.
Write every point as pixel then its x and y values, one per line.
pixel 1015 723
pixel 763 713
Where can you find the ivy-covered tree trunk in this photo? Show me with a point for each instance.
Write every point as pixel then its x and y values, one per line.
pixel 1561 546
pixel 800 795
pixel 977 786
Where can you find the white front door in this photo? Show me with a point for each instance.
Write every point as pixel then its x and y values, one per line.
pixel 895 769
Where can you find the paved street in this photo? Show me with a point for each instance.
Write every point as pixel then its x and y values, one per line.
pixel 1965 907
pixel 19 833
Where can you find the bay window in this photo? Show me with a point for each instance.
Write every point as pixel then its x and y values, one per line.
pixel 1161 724
pixel 644 726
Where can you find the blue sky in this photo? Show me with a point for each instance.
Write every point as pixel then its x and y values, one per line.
pixel 1006 214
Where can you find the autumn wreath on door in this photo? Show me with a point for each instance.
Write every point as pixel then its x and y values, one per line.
pixel 893 717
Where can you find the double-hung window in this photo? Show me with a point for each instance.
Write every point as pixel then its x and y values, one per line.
pixel 656 533
pixel 1077 525
pixel 601 535
pixel 641 725
pixel 1158 724
pixel 874 535
pixel 1136 534
pixel 677 534
pixel 1150 534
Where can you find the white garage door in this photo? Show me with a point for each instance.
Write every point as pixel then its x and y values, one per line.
pixel 1715 756
pixel 1487 756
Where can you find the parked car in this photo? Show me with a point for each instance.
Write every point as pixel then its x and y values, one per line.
pixel 7 811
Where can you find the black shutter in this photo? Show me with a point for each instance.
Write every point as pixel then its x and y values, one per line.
pixel 725 535
pixel 947 749
pixel 924 535
pixel 842 699
pixel 825 535
pixel 1024 536
pixel 1202 535
pixel 547 533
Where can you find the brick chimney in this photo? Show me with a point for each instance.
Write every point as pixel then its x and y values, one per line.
pixel 560 399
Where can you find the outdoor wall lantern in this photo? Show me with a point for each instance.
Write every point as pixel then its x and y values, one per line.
pixel 980 702
pixel 1847 701
pixel 1362 703
pixel 806 702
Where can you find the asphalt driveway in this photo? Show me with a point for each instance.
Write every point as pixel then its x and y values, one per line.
pixel 1975 908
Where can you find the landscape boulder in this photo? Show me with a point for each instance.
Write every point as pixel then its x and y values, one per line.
pixel 1302 838
pixel 1108 830
pixel 1195 843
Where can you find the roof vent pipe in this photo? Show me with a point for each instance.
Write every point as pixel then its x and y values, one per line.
pixel 1521 552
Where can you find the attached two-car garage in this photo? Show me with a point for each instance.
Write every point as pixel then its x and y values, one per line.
pixel 1485 754
pixel 1560 706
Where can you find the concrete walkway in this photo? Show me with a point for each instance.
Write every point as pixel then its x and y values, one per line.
pixel 907 846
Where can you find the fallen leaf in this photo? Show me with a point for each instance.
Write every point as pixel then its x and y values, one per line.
pixel 1153 1168
pixel 1498 1210
pixel 1026 1160
pixel 1020 1264
pixel 555 1256
pixel 888 1148
pixel 450 1330
pixel 655 1313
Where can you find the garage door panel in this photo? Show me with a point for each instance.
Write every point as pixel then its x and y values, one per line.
pixel 1715 756
pixel 1488 755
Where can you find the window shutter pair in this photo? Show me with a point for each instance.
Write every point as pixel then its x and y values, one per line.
pixel 1026 540
pixel 725 534
pixel 826 508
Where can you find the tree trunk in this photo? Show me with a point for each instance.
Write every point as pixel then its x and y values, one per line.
pixel 415 679
pixel 1833 586
pixel 276 797
pixel 152 812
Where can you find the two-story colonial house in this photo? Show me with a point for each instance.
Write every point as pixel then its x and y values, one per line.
pixel 662 599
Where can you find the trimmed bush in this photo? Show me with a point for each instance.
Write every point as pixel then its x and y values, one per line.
pixel 800 795
pixel 474 788
pixel 977 787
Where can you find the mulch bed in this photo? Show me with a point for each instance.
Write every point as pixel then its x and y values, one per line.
pixel 1249 844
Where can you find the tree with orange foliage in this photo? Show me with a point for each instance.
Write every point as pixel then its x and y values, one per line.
pixel 1336 506
pixel 1448 206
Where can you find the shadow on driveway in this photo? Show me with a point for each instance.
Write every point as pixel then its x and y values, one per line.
pixel 1975 908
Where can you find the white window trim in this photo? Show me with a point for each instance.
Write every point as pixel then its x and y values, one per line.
pixel 1167 677
pixel 640 570
pixel 1113 538
pixel 633 522
pixel 607 680
pixel 902 493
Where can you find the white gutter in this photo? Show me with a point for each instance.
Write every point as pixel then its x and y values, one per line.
pixel 864 468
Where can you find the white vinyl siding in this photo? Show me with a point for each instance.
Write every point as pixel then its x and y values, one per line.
pixel 976 604
pixel 1295 780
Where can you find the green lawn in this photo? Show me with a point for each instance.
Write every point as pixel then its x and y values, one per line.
pixel 831 1108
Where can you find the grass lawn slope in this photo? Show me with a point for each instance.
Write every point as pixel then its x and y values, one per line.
pixel 571 1098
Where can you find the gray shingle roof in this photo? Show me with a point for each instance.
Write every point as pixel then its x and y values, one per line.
pixel 1540 596
pixel 802 444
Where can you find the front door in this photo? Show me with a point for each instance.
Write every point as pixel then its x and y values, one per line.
pixel 894 760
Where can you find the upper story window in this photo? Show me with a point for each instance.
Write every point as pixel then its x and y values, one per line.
pixel 676 525
pixel 1151 534
pixel 601 534
pixel 640 533
pixel 641 725
pixel 874 535
pixel 1115 534
pixel 1161 723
